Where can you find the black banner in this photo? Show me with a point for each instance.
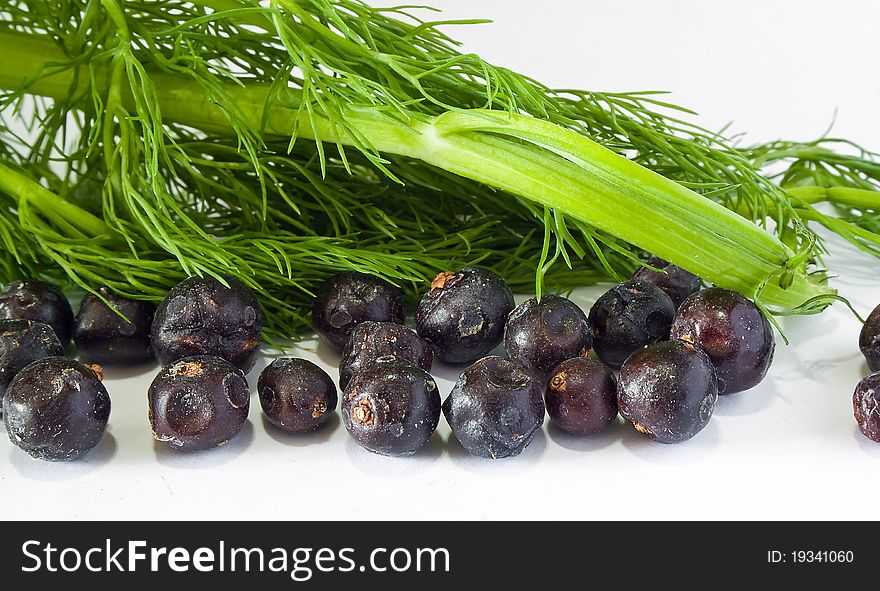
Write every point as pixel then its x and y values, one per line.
pixel 436 555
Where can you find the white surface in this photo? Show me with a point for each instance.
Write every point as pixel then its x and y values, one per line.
pixel 787 450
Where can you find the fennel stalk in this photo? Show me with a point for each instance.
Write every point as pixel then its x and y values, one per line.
pixel 196 119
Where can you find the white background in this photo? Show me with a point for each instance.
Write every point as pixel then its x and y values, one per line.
pixel 788 449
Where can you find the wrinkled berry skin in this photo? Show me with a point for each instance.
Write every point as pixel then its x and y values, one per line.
pixel 35 300
pixel 349 298
pixel 106 338
pixel 56 409
pixel 541 335
pixel 869 340
pixel 495 408
pixel 198 403
pixel 391 407
pixel 866 406
pixel 733 332
pixel 677 283
pixel 581 396
pixel 629 317
pixel 464 313
pixel 21 343
pixel 296 395
pixel 668 391
pixel 371 340
pixel 200 316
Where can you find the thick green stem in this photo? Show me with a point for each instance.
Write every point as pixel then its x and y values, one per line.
pixel 530 158
pixel 63 214
pixel 861 199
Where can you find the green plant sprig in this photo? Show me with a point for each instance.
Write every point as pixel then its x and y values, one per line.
pixel 833 171
pixel 229 137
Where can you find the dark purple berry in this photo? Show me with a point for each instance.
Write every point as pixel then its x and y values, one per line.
pixel 581 396
pixel 296 395
pixel 734 334
pixel 35 300
pixel 198 403
pixel 869 340
pixel 102 335
pixel 464 313
pixel 495 408
pixel 21 343
pixel 349 298
pixel 866 406
pixel 543 334
pixel 668 391
pixel 629 317
pixel 675 281
pixel 56 409
pixel 391 407
pixel 201 316
pixel 371 340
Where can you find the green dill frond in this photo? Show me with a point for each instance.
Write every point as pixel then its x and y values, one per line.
pixel 240 137
pixel 833 171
